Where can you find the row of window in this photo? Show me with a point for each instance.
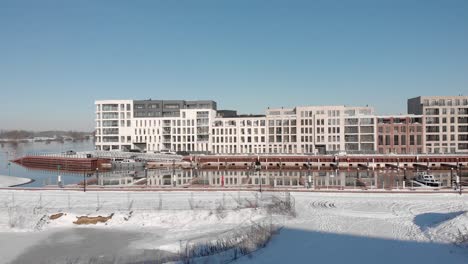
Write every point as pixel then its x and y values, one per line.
pixel 399 140
pixel 436 120
pixel 430 138
pixel 443 102
pixel 400 150
pixel 113 107
pixel 399 129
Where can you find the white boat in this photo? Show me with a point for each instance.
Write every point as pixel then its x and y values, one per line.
pixel 167 151
pixel 119 163
pixel 427 179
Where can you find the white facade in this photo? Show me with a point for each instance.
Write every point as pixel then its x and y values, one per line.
pixel 239 135
pixel 114 124
pixel 305 129
pixel 336 129
pixel 445 120
pixel 189 132
pixel 118 129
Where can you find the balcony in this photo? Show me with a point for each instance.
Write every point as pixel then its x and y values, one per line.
pixel 463 129
pixel 351 138
pixel 432 129
pixel 432 111
pixel 110 131
pixel 202 138
pixel 351 121
pixel 463 111
pixel 203 122
pixel 110 107
pixel 203 130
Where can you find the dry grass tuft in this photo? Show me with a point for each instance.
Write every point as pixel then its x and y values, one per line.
pixel 56 216
pixel 88 220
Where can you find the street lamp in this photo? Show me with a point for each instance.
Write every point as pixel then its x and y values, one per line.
pixel 258 166
pixel 97 175
pixel 84 181
pixel 9 168
pixel 451 177
pixel 58 175
pixel 146 176
pixel 404 177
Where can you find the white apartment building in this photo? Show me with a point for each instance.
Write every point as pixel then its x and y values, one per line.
pixel 197 126
pixel 114 125
pixel 154 125
pixel 239 134
pixel 335 129
pixel 445 121
pixel 309 129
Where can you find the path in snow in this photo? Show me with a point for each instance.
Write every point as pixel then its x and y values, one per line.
pixel 371 228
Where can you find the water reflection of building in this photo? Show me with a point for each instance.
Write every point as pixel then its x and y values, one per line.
pixel 340 179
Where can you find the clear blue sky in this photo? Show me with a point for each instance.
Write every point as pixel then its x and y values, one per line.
pixel 57 57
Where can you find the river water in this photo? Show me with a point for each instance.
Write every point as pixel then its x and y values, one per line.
pixel 199 178
pixel 41 177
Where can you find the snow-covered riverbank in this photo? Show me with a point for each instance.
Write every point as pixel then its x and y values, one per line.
pixel 328 228
pixel 9 181
pixel 372 228
pixel 134 223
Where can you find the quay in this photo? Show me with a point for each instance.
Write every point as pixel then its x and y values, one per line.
pixel 320 162
pixel 90 162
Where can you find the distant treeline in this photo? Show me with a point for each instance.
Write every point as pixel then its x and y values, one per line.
pixel 58 135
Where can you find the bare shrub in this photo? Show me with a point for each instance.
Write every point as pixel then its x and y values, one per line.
pixel 16 219
pixel 462 238
pixel 251 204
pixel 220 211
pixel 240 242
pixel 282 206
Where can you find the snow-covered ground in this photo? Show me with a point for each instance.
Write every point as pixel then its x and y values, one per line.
pixel 372 228
pixel 328 228
pixel 142 223
pixel 8 181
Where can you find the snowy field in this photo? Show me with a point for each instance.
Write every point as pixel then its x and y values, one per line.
pixel 8 181
pixel 327 228
pixel 372 228
pixel 143 225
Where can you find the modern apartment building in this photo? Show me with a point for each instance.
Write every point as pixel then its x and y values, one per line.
pixel 310 129
pixel 154 125
pixel 434 124
pixel 400 134
pixel 445 121
pixel 232 133
pixel 197 126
